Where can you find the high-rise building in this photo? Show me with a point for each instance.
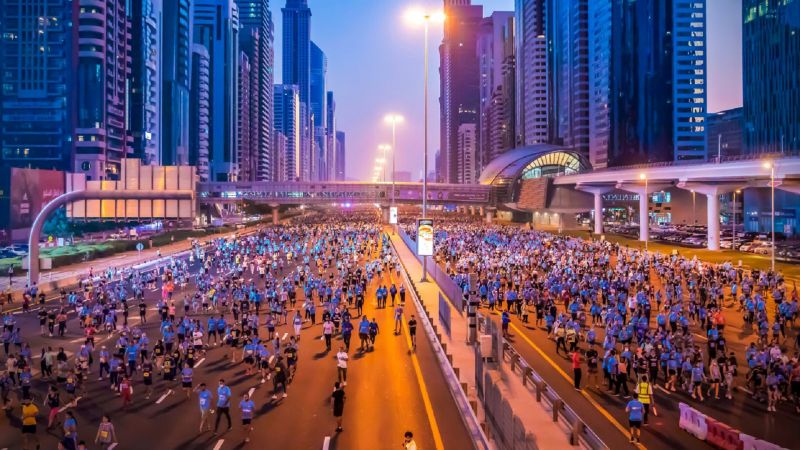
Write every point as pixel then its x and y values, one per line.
pixel 247 135
pixel 216 27
pixel 319 108
pixel 38 55
pixel 567 26
pixel 467 153
pixel 340 156
pixel 771 80
pixel 306 142
pixel 724 130
pixel 175 72
pixel 330 137
pixel 297 47
pixel 199 112
pixel 257 40
pixel 287 123
pixel 647 81
pixel 533 105
pixel 279 156
pixel 459 100
pixel 102 139
pixel 495 50
pixel 145 81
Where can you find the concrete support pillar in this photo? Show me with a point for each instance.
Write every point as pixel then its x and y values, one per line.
pixel 644 218
pixel 713 221
pixel 481 211
pixel 644 192
pixel 471 210
pixel 275 214
pixel 489 217
pixel 597 192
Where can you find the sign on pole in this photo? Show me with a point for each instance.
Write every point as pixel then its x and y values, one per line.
pixel 139 247
pixel 393 215
pixel 425 237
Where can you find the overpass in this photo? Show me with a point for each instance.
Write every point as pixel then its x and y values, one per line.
pixel 322 192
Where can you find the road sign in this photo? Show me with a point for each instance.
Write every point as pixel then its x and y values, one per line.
pixel 139 246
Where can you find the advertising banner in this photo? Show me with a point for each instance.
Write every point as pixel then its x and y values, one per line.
pixel 31 189
pixel 393 215
pixel 425 237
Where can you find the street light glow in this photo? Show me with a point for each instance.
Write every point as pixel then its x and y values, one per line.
pixel 768 165
pixel 393 118
pixel 642 176
pixel 416 16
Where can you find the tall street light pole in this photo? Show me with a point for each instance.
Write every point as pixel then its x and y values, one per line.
pixel 647 211
pixel 394 119
pixel 771 167
pixel 733 245
pixel 384 148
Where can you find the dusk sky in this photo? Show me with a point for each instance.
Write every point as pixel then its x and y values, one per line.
pixel 375 66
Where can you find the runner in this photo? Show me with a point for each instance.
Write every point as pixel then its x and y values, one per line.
pixel 106 436
pixel 247 407
pixel 337 404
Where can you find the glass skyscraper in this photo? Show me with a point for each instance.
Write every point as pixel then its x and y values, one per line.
pixel 771 78
pixel 145 83
pixel 319 71
pixel 175 80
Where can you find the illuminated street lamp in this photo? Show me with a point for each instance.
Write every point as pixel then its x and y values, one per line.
pixel 769 165
pixel 647 210
pixel 426 18
pixel 384 148
pixel 393 120
pixel 733 245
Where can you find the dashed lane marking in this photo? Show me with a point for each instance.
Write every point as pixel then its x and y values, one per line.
pixel 326 443
pixel 219 444
pixel 197 364
pixel 163 397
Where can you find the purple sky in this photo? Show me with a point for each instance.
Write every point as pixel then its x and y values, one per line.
pixel 375 67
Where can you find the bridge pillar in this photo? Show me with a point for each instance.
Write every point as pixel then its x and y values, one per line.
pixel 712 192
pixel 489 216
pixel 597 192
pixel 481 211
pixel 471 210
pixel 644 202
pixel 276 218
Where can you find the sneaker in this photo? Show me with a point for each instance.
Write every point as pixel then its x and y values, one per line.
pixel 274 397
pixel 285 395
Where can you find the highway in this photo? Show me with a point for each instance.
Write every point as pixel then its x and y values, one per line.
pixel 390 390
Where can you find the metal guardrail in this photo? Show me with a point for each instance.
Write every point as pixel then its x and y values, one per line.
pixel 544 393
pixel 446 284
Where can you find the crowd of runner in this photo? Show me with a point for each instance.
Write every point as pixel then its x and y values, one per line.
pixel 230 294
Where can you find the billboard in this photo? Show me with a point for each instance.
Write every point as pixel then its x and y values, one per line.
pixel 425 237
pixel 31 189
pixel 393 215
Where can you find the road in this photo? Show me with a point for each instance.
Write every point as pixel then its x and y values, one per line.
pixel 390 390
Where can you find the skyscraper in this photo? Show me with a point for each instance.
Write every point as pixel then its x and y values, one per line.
pixel 38 55
pixel 459 100
pixel 341 172
pixel 725 131
pixel 216 27
pixel 533 85
pixel 287 122
pixel 145 80
pixel 647 81
pixel 279 156
pixel 467 153
pixel 297 47
pixel 175 73
pixel 104 69
pixel 257 40
pixel 771 80
pixel 330 137
pixel 496 62
pixel 319 71
pixel 199 112
pixel 247 138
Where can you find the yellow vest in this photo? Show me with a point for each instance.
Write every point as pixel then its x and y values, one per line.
pixel 29 413
pixel 644 392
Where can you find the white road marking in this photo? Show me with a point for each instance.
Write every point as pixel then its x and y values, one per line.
pixel 219 444
pixel 78 340
pixel 271 358
pixel 197 364
pixel 700 336
pixel 112 446
pixel 326 444
pixel 284 336
pixel 163 397
pixel 250 392
pixel 663 390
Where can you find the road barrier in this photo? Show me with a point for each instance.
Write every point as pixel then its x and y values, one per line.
pixel 722 436
pixel 718 434
pixel 693 421
pixel 446 284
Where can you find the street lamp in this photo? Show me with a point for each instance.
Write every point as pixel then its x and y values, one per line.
pixel 417 17
pixel 384 148
pixel 647 210
pixel 694 208
pixel 771 167
pixel 393 120
pixel 733 245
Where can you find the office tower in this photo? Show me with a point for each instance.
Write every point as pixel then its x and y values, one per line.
pixel 771 80
pixel 287 123
pixel 297 47
pixel 647 81
pixel 341 172
pixel 257 40
pixel 38 56
pixel 216 27
pixel 568 62
pixel 458 66
pixel 104 69
pixel 247 136
pixel 495 51
pixel 319 108
pixel 175 73
pixel 330 137
pixel 200 97
pixel 145 80
pixel 306 142
pixel 532 88
pixel 279 155
pixel 467 153
pixel 724 130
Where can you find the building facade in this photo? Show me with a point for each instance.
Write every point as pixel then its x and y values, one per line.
pixel 175 72
pixel 341 172
pixel 330 136
pixel 145 81
pixel 247 134
pixel 319 108
pixel 287 123
pixel 257 40
pixel 279 156
pixel 37 100
pixel 533 88
pixel 771 81
pixel 459 99
pixel 102 139
pixel 297 47
pixel 725 133
pixel 200 96
pixel 468 153
pixel 216 27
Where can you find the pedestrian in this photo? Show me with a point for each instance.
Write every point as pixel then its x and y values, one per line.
pixel 247 407
pixel 337 403
pixel 398 318
pixel 408 441
pixel 125 392
pixel 29 414
pixel 327 332
pixel 204 399
pixel 635 411
pixel 644 393
pixel 341 365
pixel 412 331
pixel 576 369
pixel 106 436
pixel 223 404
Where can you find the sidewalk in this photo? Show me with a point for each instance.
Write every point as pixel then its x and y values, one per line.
pixel 537 421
